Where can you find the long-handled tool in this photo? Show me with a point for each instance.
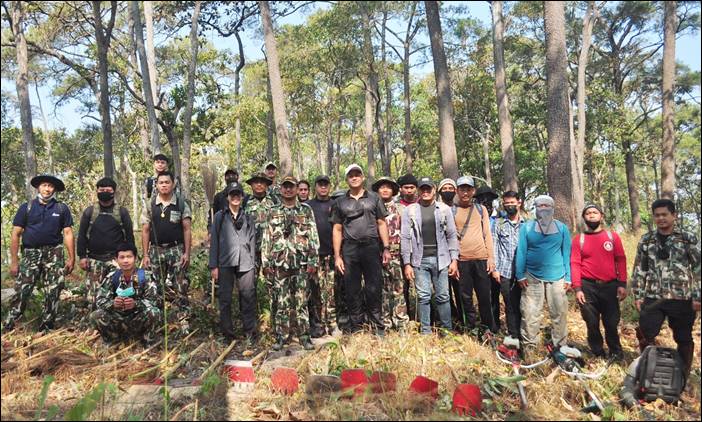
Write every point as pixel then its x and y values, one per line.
pixel 569 362
pixel 510 355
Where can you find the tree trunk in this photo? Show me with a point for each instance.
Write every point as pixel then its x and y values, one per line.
pixel 151 50
pixel 277 93
pixel 330 149
pixel 509 167
pixel 45 126
pixel 386 130
pixel 371 91
pixel 579 147
pixel 237 82
pixel 447 136
pixel 103 44
pixel 187 115
pixel 409 161
pixel 175 149
pixel 486 154
pixel 145 76
pixel 269 123
pixel 668 156
pixel 632 187
pixel 560 175
pixel 22 84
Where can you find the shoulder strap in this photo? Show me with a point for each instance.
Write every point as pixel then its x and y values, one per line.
pixel 464 229
pixel 582 241
pixel 115 278
pixel 26 214
pixel 95 212
pixel 141 276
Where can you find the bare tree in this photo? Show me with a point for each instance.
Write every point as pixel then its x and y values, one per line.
pixel 102 38
pixel 560 175
pixel 188 112
pixel 447 136
pixel 371 92
pixel 509 167
pixel 668 158
pixel 151 49
pixel 277 93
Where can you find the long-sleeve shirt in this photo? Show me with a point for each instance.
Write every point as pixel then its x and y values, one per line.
pixel 677 276
pixel 505 237
pixel 411 239
pixel 146 293
pixel 290 240
pixel 476 243
pixel 601 258
pixel 232 247
pixel 546 257
pixel 106 233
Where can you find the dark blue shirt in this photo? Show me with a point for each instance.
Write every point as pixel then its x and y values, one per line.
pixel 45 223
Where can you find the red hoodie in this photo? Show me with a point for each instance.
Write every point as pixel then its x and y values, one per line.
pixel 600 258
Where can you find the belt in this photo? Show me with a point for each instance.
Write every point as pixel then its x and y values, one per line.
pixel 369 241
pixel 591 280
pixel 169 245
pixel 102 257
pixel 41 247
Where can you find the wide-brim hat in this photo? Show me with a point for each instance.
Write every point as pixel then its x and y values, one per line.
pixel 259 177
pixel 486 191
pixel 38 180
pixel 382 180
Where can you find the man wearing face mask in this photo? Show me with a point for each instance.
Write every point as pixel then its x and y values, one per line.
pixel 598 266
pixel 543 269
pixel 221 200
pixel 43 224
pixel 447 191
pixel 103 226
pixel 505 236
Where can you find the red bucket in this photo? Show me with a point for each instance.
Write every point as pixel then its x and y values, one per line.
pixel 424 385
pixel 241 375
pixel 383 382
pixel 285 380
pixel 467 399
pixel 355 379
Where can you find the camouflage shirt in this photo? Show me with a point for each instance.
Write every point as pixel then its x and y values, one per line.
pixel 259 209
pixel 393 220
pixel 290 239
pixel 146 295
pixel 274 194
pixel 668 269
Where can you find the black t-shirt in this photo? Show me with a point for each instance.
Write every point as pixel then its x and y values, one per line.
pixel 106 233
pixel 359 216
pixel 322 212
pixel 428 230
pixel 169 228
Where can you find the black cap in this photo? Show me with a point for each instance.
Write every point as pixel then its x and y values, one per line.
pixel 425 181
pixel 231 171
pixel 161 157
pixel 38 180
pixel 235 187
pixel 407 179
pixel 322 178
pixel 487 192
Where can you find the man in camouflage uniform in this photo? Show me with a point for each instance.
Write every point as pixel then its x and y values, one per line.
pixel 128 301
pixel 666 281
pixel 43 224
pixel 271 171
pixel 258 206
pixel 166 238
pixel 394 306
pixel 288 250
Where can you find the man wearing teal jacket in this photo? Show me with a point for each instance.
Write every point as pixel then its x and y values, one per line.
pixel 543 269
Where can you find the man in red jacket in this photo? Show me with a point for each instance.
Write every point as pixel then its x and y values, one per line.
pixel 598 271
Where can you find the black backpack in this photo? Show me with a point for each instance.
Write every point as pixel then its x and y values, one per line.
pixel 660 375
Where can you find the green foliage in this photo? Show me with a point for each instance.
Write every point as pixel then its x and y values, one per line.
pixel 210 383
pixel 54 409
pixel 86 405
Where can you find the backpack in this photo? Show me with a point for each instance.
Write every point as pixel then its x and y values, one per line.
pixel 95 213
pixel 454 210
pixel 660 375
pixel 141 277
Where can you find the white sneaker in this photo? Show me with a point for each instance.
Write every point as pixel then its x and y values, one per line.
pixel 510 341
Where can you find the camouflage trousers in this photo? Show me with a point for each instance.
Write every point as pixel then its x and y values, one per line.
pixel 97 270
pixel 288 291
pixel 170 276
pixel 115 326
pixel 394 306
pixel 43 268
pixel 322 305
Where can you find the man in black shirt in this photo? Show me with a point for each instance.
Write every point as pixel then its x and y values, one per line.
pixel 103 226
pixel 359 220
pixel 321 302
pixel 221 201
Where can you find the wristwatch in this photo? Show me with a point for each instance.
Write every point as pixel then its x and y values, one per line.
pixel 386 247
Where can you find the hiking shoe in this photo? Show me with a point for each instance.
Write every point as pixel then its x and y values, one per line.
pixel 616 358
pixel 307 343
pixel 278 345
pixel 598 353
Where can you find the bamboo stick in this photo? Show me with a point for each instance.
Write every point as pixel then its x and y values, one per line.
pixel 182 360
pixel 218 361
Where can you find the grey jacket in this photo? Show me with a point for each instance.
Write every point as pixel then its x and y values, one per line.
pixel 411 240
pixel 230 247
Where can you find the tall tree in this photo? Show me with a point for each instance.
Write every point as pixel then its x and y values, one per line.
pixel 560 177
pixel 151 49
pixel 447 136
pixel 103 38
pixel 190 99
pixel 371 92
pixel 579 147
pixel 18 15
pixel 277 92
pixel 668 158
pixel 135 16
pixel 509 168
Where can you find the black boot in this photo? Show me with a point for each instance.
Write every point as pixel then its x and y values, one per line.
pixel 278 345
pixel 687 352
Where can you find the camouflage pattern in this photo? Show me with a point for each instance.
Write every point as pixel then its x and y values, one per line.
pixel 260 210
pixel 289 245
pixel 43 268
pixel 169 275
pixel 322 300
pixel 676 277
pixel 273 193
pixel 97 270
pixel 394 306
pixel 143 321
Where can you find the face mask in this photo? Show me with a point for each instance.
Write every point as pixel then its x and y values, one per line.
pixel 592 225
pixel 544 215
pixel 46 199
pixel 447 196
pixel 105 196
pixel 230 180
pixel 128 292
pixel 511 210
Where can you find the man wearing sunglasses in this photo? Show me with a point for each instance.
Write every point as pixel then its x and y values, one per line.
pixel 666 281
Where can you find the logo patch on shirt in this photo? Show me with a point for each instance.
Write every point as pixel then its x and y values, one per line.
pixel 55 215
pixel 608 246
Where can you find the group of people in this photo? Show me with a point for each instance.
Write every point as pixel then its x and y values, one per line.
pixel 358 259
